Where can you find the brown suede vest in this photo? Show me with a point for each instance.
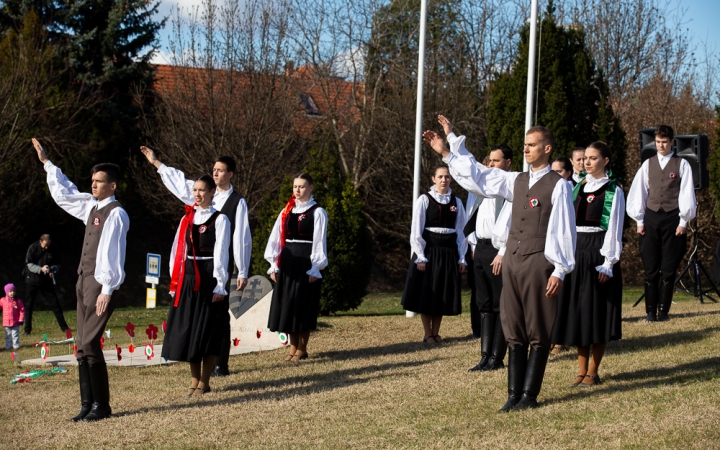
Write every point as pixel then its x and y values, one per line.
pixel 531 213
pixel 93 231
pixel 664 184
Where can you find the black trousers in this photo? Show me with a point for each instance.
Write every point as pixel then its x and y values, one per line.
pixel 488 287
pixel 474 311
pixel 48 292
pixel 661 251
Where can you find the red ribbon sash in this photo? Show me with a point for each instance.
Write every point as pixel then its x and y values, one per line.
pixel 179 265
pixel 283 219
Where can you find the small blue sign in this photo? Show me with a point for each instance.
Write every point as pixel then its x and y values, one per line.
pixel 153 265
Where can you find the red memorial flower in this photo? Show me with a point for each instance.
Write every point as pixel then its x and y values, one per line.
pixel 236 342
pixel 118 350
pixel 68 333
pixel 130 328
pixel 151 332
pixel 259 333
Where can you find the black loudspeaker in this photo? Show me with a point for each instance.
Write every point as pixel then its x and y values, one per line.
pixel 693 148
pixel 647 144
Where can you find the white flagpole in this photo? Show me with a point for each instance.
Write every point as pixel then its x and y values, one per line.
pixel 419 111
pixel 531 73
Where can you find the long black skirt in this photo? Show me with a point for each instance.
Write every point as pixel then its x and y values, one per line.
pixel 295 302
pixel 436 291
pixel 197 326
pixel 589 312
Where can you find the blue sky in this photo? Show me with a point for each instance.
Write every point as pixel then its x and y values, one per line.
pixel 702 19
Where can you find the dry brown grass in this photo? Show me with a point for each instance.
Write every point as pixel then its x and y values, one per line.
pixel 370 383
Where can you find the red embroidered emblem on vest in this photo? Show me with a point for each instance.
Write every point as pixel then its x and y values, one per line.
pixel 96 221
pixel 301 217
pixel 534 202
pixel 590 198
pixel 673 175
pixel 453 208
pixel 202 229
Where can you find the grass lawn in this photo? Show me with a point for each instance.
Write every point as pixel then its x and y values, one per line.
pixel 371 383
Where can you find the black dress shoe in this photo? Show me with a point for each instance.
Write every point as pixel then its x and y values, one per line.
pixel 526 402
pixel 479 366
pixel 663 317
pixel 219 371
pixel 650 318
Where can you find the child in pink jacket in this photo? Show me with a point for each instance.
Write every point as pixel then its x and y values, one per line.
pixel 13 313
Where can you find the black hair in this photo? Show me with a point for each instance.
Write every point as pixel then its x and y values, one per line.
pixel 506 151
pixel 577 149
pixel 208 180
pixel 545 133
pixel 665 131
pixel 230 165
pixel 565 161
pixel 440 166
pixel 45 238
pixel 112 171
pixel 604 150
pixel 305 176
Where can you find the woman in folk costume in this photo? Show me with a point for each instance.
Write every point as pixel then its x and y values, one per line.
pixel 432 287
pixel 198 264
pixel 297 252
pixel 590 303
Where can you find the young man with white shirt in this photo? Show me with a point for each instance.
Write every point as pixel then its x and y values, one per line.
pixel 101 272
pixel 229 202
pixel 487 266
pixel 662 201
pixel 540 251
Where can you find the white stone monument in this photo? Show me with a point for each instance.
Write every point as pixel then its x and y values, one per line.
pixel 249 311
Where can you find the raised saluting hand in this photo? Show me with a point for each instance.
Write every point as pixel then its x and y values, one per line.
pixel 150 155
pixel 42 156
pixel 436 142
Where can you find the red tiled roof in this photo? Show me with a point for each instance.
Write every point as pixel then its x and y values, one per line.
pixel 335 98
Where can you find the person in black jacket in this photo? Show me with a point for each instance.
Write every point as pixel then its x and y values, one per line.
pixel 41 265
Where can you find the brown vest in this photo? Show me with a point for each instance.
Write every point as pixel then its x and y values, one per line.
pixel 531 213
pixel 664 184
pixel 93 231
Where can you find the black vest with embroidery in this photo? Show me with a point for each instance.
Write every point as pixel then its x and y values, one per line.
pixel 438 215
pixel 203 237
pixel 301 226
pixel 589 207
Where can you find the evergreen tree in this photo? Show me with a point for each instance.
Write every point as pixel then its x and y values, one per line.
pixel 572 95
pixel 349 248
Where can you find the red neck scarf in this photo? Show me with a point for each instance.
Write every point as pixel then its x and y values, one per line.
pixel 180 251
pixel 283 219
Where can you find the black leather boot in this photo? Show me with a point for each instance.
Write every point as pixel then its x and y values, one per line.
pixel 101 392
pixel 666 295
pixel 487 330
pixel 499 348
pixel 533 378
pixel 221 362
pixel 517 365
pixel 651 301
pixel 86 397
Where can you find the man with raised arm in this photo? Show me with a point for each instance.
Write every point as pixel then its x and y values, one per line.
pixel 540 251
pixel 100 274
pixel 229 202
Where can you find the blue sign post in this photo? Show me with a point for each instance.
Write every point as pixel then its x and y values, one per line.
pixel 152 276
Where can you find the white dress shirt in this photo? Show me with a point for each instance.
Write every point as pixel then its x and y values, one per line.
pixel 480 180
pixel 318 254
pixel 110 260
pixel 485 224
pixel 417 243
pixel 220 250
pixel 638 195
pixel 612 245
pixel 175 181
